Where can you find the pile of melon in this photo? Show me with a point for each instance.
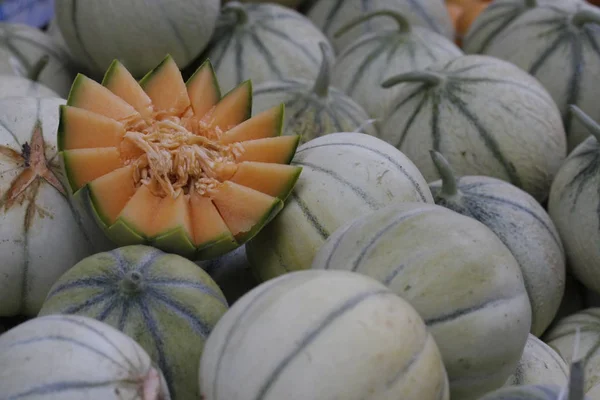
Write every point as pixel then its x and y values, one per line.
pixel 301 199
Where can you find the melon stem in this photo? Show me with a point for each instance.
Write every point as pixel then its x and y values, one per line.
pixel 592 126
pixel 38 67
pixel 449 186
pixel 426 77
pixel 132 282
pixel 321 86
pixel 583 17
pixel 238 10
pixel 403 24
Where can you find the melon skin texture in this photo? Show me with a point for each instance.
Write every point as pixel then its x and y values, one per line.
pixel 139 35
pixel 573 206
pixel 287 3
pixel 365 63
pixel 313 108
pixel 539 365
pixel 558 46
pixel 264 42
pixel 71 358
pixel 163 301
pixel 485 116
pixel 17 86
pixel 344 175
pixel 332 15
pixel 562 338
pixel 22 48
pixel 303 324
pixel 457 274
pixel 41 234
pixel 522 225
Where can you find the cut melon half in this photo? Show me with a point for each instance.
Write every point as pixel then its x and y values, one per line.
pixel 173 164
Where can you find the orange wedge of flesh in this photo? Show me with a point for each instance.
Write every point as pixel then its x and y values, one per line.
pixel 172 163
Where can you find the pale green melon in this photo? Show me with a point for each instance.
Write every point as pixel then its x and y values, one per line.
pixel 61 357
pixel 22 50
pixel 539 365
pixel 486 116
pixel 562 338
pixel 375 56
pixel 558 45
pixel 264 42
pixel 344 175
pixel 523 226
pixel 574 204
pixel 462 280
pixel 312 108
pixel 322 335
pixel 136 32
pixel 331 15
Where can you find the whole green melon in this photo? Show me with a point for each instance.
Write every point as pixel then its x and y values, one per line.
pixel 165 302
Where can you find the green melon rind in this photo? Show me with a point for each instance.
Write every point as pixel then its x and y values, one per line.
pixel 292 153
pixel 248 85
pixel 72 98
pixel 215 248
pixel 175 241
pixel 109 73
pixel 216 86
pixel 64 159
pixel 287 190
pixel 153 72
pixel 61 130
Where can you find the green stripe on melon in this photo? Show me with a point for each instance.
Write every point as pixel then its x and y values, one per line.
pixel 523 226
pixel 74 357
pixel 458 275
pixel 313 108
pixel 344 175
pixel 486 116
pixel 366 62
pixel 139 34
pixel 331 15
pixel 558 44
pixel 264 42
pixel 163 301
pixel 322 335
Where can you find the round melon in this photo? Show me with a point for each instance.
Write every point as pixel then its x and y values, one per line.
pixel 523 226
pixel 17 86
pixel 71 357
pixel 23 49
pixel 573 205
pixel 41 234
pixel 312 108
pixel 332 15
pixel 344 175
pixel 539 365
pixel 264 42
pixel 457 274
pixel 563 338
pixel 365 63
pixel 137 33
pixel 486 116
pixel 494 19
pixel 558 45
pixel 232 272
pixel 174 164
pixel 322 335
pixel 163 301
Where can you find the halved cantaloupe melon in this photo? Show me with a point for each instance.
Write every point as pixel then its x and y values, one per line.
pixel 172 163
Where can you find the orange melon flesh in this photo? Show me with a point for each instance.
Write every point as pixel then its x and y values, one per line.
pixel 120 81
pixel 267 178
pixel 207 224
pixel 111 192
pixel 85 165
pixel 203 90
pixel 263 125
pixel 279 150
pixel 141 210
pixel 165 87
pixel 82 129
pixel 171 214
pixel 241 207
pixel 233 109
pixel 92 96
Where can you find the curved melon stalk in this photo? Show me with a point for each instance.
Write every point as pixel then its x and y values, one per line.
pixel 172 163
